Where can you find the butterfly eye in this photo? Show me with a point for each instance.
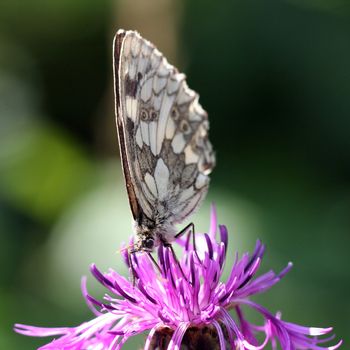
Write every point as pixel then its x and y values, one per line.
pixel 175 114
pixel 185 127
pixel 148 243
pixel 144 115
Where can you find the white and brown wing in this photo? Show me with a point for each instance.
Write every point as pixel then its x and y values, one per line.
pixel 163 132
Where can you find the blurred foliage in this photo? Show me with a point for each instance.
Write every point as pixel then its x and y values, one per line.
pixel 274 76
pixel 55 172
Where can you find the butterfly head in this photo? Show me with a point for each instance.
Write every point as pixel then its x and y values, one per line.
pixel 147 243
pixel 146 239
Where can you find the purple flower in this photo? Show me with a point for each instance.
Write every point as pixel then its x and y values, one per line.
pixel 185 303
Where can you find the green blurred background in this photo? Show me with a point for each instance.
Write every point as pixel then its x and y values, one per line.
pixel 274 76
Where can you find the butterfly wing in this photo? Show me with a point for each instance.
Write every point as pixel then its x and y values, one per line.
pixel 163 133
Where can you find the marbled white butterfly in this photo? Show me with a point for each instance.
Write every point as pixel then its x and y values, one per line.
pixel 163 140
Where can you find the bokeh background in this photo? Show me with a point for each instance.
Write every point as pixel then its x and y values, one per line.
pixel 274 76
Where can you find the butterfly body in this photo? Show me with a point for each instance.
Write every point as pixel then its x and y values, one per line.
pixel 150 234
pixel 163 139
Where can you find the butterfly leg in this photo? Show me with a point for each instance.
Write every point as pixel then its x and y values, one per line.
pixel 168 245
pixel 185 229
pixel 131 266
pixel 154 262
pixel 191 231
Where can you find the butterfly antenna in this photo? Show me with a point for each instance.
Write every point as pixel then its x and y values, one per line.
pixel 128 247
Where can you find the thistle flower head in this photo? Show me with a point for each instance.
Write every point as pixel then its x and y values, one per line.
pixel 185 303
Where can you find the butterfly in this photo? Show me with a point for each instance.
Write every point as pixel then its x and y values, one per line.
pixel 163 140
